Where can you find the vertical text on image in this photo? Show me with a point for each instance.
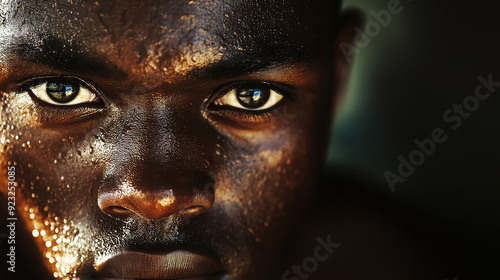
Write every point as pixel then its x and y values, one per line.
pixel 11 217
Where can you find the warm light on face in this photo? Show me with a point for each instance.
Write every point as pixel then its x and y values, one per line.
pixel 186 132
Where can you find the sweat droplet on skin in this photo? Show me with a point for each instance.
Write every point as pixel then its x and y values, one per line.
pixel 61 242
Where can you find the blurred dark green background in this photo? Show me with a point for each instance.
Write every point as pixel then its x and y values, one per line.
pixel 427 59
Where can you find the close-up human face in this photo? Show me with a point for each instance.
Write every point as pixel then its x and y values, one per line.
pixel 162 139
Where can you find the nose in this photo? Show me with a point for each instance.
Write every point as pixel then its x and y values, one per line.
pixel 156 201
pixel 156 167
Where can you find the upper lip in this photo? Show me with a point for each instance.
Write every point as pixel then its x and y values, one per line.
pixel 174 265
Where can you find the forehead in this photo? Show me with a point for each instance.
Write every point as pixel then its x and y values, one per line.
pixel 175 36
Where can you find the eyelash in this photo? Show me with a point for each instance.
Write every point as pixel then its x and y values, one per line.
pixel 251 116
pixel 48 112
pixel 26 85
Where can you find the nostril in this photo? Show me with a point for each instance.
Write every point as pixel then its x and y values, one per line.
pixel 143 200
pixel 118 211
pixel 193 210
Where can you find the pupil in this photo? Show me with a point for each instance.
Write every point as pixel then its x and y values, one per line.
pixel 62 92
pixel 253 98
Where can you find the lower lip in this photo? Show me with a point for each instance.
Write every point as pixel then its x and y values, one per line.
pixel 179 265
pixel 207 277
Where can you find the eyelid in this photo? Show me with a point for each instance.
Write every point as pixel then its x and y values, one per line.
pixel 48 114
pixel 246 118
pixel 286 90
pixel 28 84
pixel 40 91
pixel 230 97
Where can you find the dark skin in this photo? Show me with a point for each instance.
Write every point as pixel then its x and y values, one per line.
pixel 191 126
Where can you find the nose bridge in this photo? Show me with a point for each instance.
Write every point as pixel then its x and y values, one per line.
pixel 151 174
pixel 153 142
pixel 146 133
pixel 150 135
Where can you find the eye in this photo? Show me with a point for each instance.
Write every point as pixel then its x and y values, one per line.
pixel 63 92
pixel 252 98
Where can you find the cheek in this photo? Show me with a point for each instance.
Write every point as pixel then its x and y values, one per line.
pixel 267 179
pixel 55 198
pixel 52 194
pixel 263 193
pixel 261 188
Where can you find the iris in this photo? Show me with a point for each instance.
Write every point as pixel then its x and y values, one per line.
pixel 253 97
pixel 62 92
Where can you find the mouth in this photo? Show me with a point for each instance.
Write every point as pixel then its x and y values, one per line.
pixel 179 265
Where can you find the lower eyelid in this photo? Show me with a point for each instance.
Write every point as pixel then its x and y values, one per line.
pixel 250 117
pixel 247 118
pixel 64 115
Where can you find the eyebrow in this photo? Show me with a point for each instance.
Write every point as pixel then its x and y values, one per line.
pixel 55 54
pixel 245 63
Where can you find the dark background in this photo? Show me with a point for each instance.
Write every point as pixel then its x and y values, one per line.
pixel 427 59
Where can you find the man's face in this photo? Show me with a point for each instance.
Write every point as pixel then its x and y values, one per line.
pixel 161 139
